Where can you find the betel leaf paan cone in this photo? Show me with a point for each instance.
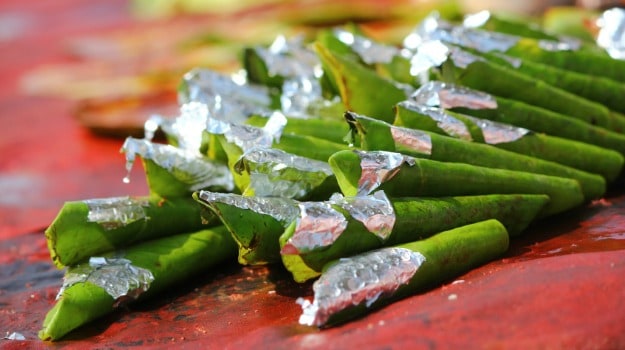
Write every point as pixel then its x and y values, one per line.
pixel 479 104
pixel 579 155
pixel 353 286
pixel 94 289
pixel 362 172
pixel 377 135
pixel 94 226
pixel 255 223
pixel 352 225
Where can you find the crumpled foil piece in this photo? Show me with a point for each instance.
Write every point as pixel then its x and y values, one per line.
pixel 117 276
pixel 379 167
pixel 444 95
pixel 495 132
pixel 289 58
pixel 299 95
pixel 432 54
pixel 462 58
pixel 433 28
pixel 226 97
pixel 375 211
pixel 446 122
pixel 14 336
pixel 368 50
pixel 284 210
pixel 188 167
pixel 247 137
pixel 116 212
pixel 611 34
pixel 411 140
pixel 476 20
pixel 428 55
pixel 318 226
pixel 186 129
pixel 405 139
pixel 275 173
pixel 300 67
pixel 359 280
pixel 551 45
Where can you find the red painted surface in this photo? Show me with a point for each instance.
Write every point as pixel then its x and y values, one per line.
pixel 560 286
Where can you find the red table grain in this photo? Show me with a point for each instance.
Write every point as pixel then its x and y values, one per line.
pixel 560 286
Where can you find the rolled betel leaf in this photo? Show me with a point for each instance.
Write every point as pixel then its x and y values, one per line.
pixel 387 60
pixel 521 27
pixel 284 59
pixel 377 135
pixel 96 288
pixel 493 22
pixel 482 105
pixel 343 227
pixel 464 68
pixel 362 172
pixel 361 89
pixel 228 97
pixel 176 172
pixel 184 131
pixel 270 172
pixel 236 139
pixel 291 66
pixel 255 223
pixel 94 226
pixel 333 130
pixel 595 88
pixel 583 156
pixel 352 286
pixel 563 54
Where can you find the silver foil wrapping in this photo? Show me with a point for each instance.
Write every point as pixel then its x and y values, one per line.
pixel 476 20
pixel 375 211
pixel 462 58
pixel 434 28
pixel 405 139
pixel 551 45
pixel 378 167
pixel 275 173
pixel 411 140
pixel 495 132
pixel 116 212
pixel 444 95
pixel 450 125
pixel 289 58
pixel 359 280
pixel 226 98
pixel 300 67
pixel 186 129
pixel 428 55
pixel 319 225
pixel 611 34
pixel 299 95
pixel 247 137
pixel 188 167
pixel 432 54
pixel 369 51
pixel 117 276
pixel 282 209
